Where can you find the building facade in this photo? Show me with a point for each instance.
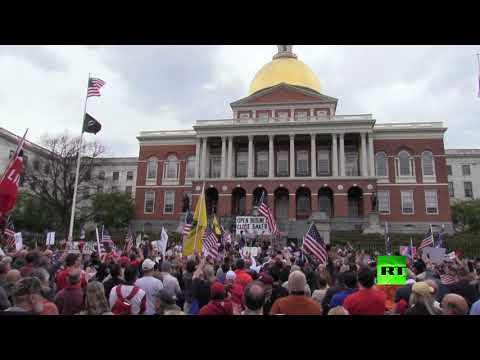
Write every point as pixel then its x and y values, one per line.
pixel 463 169
pixel 286 139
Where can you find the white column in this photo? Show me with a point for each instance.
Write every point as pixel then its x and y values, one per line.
pixel 230 157
pixel 292 155
pixel 334 155
pixel 250 156
pixel 363 151
pixel 197 158
pixel 204 158
pixel 342 155
pixel 224 154
pixel 271 156
pixel 371 155
pixel 313 157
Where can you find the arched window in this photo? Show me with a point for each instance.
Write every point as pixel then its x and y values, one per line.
pixel 190 167
pixel 404 164
pixel 381 164
pixel 171 167
pixel 428 166
pixel 152 169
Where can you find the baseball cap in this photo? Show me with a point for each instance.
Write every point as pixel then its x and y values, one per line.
pixel 148 264
pixel 217 289
pixel 230 275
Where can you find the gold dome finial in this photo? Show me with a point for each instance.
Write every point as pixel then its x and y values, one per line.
pixel 284 51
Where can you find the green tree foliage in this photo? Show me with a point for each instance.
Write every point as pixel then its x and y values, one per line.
pixel 467 214
pixel 115 210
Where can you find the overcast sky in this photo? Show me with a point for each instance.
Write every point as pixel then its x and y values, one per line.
pixel 169 87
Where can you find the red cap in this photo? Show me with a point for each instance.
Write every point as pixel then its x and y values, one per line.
pixel 217 289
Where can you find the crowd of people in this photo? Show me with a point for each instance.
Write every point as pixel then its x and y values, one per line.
pixel 280 282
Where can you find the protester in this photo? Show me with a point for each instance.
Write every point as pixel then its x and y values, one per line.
pixel 422 300
pixel 95 301
pixel 72 262
pixel 187 282
pixel 31 259
pixel 70 300
pixel 338 310
pixel 321 285
pixel 49 307
pixel 202 280
pixel 454 304
pixel 242 276
pixel 367 300
pixel 349 283
pixel 166 303
pixel 296 303
pixel 170 282
pixel 254 298
pixel 4 301
pixel 27 298
pixel 113 280
pixel 150 285
pixel 217 305
pixel 128 299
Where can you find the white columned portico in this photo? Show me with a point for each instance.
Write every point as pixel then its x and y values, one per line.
pixel 204 158
pixel 371 155
pixel 224 154
pixel 250 156
pixel 197 158
pixel 334 155
pixel 292 155
pixel 342 154
pixel 313 156
pixel 271 156
pixel 363 152
pixel 230 157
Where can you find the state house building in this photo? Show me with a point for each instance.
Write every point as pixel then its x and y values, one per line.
pixel 286 138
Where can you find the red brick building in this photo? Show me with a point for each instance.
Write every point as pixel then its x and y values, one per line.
pixel 285 138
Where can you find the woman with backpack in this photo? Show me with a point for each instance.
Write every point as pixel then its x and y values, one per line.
pixel 128 299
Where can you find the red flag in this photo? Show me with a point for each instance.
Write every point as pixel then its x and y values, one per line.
pixel 9 186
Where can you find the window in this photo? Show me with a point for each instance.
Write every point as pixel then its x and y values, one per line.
pixel 467 185
pixel 351 160
pixel 428 165
pixel 36 164
pixel 242 164
pixel 129 175
pixel 302 163
pixel 381 164
pixel 101 175
pixel 404 164
pixel 169 202
pixel 262 163
pixel 191 167
pixel 116 175
pixel 114 189
pixel 449 169
pixel 149 202
pixel 100 189
pixel 171 167
pixel 282 163
pixel 451 191
pixel 283 115
pixel 128 189
pixel 215 165
pixel 301 115
pixel 263 115
pixel 383 198
pixel 152 169
pixel 245 115
pixel 465 170
pixel 323 162
pixel 431 202
pixel 407 202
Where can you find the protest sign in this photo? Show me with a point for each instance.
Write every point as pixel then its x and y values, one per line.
pixel 72 247
pixel 89 247
pixel 435 255
pixel 253 251
pixel 51 238
pixel 251 225
pixel 18 241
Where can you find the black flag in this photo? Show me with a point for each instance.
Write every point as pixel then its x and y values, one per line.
pixel 90 125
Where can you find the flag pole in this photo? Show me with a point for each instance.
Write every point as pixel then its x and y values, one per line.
pixel 72 216
pixel 478 60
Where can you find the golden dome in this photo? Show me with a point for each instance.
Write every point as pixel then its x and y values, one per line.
pixel 285 68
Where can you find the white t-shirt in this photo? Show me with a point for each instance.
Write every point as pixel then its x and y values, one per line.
pixel 138 302
pixel 151 286
pixel 171 282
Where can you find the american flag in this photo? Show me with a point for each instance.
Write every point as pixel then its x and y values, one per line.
pixel 428 240
pixel 10 234
pixel 210 243
pixel 226 237
pixel 265 211
pixel 188 224
pixel 314 244
pixel 447 279
pixel 106 235
pixel 94 85
pixel 129 239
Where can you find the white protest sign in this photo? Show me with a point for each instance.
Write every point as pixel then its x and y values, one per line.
pixel 435 255
pixel 253 251
pixel 251 225
pixel 72 247
pixel 51 238
pixel 89 247
pixel 18 241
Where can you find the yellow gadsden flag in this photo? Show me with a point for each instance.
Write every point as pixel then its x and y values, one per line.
pixel 216 226
pixel 194 242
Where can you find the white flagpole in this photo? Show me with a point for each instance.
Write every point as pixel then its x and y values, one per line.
pixel 98 241
pixel 478 59
pixel 433 237
pixel 196 230
pixel 72 216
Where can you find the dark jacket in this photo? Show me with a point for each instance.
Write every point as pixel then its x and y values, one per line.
pixel 278 291
pixel 110 283
pixel 70 300
pixel 328 297
pixel 187 286
pixel 465 289
pixel 201 291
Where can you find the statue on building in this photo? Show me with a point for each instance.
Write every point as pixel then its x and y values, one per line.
pixel 285 51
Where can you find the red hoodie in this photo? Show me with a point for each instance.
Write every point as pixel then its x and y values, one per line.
pixel 217 307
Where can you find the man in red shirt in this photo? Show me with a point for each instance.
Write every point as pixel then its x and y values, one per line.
pixel 72 262
pixel 367 300
pixel 217 305
pixel 241 275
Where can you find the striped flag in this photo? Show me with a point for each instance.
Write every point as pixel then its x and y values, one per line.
pixel 10 234
pixel 106 237
pixel 188 224
pixel 226 237
pixel 428 240
pixel 94 86
pixel 100 248
pixel 210 243
pixel 265 211
pixel 314 244
pixel 129 239
pixel 447 279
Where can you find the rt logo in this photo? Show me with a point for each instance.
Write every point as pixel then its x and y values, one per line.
pixel 391 270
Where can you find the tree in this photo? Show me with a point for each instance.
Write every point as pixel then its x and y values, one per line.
pixel 467 214
pixel 32 215
pixel 115 210
pixel 51 176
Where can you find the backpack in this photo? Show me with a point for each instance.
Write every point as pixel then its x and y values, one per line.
pixel 124 306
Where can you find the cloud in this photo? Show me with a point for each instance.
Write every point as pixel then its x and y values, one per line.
pixel 39 56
